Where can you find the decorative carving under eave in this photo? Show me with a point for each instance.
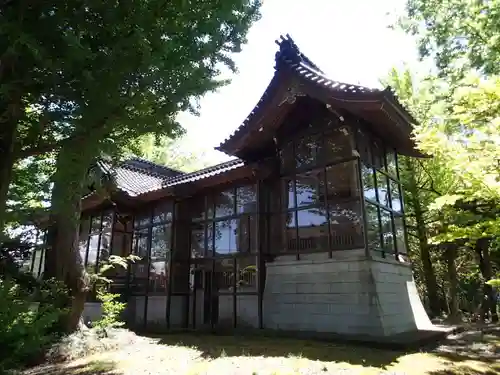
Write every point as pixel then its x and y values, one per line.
pixel 291 95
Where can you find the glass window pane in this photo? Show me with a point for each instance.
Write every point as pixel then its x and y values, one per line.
pixel 142 220
pixel 342 181
pixel 395 196
pixel 197 240
pixel 197 208
pixel 224 275
pixel 246 274
pixel 313 230
pixel 399 230
pixel 309 188
pixel 290 233
pixel 210 240
pixel 105 247
pixel 96 224
pixel 162 212
pixel 141 243
pixel 382 189
pixel 84 237
pixel 337 145
pixel 387 232
pixel 224 203
pixel 391 163
pixel 373 229
pixel 225 237
pixel 377 155
pixel 364 148
pixel 158 276
pixel 246 234
pixel 306 151
pixel 287 158
pixel 92 254
pixel 368 176
pixel 107 221
pixel 160 241
pixel 246 199
pixel 346 225
pixel 287 198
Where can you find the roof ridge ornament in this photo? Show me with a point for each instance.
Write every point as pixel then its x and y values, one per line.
pixel 288 50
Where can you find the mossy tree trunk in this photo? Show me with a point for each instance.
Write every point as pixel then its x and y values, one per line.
pixel 63 260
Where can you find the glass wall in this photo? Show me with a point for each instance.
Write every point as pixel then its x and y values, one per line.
pixel 316 205
pixel 382 192
pixel 152 243
pixel 95 239
pixel 224 247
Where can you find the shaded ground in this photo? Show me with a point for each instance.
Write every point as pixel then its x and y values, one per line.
pixel 469 353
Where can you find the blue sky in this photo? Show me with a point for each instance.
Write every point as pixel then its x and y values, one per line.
pixel 348 39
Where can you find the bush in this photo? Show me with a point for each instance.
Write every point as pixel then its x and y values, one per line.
pixel 26 321
pixel 111 311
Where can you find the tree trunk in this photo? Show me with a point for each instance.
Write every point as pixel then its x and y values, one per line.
pixel 488 301
pixel 423 242
pixel 63 259
pixel 8 131
pixel 451 255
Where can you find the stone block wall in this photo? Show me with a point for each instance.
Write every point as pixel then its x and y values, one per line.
pixel 346 294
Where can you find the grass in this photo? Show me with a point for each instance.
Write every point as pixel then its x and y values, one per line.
pixel 204 354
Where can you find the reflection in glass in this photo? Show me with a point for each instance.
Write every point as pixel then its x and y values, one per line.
pixel 288 198
pixel 290 235
pixel 246 234
pixel 287 158
pixel 158 276
pixel 246 274
pixel 224 275
pixel 400 234
pixel 382 189
pixel 197 240
pixel 306 151
pixel 226 237
pixel 377 156
pixel 342 181
pixel 160 241
pixel 162 213
pixel 391 163
pixel 387 233
pixel 92 254
pixel 336 146
pixel 309 188
pixel 368 176
pixel 346 225
pixel 246 199
pixel 373 229
pixel 224 203
pixel 84 237
pixel 395 196
pixel 313 229
pixel 197 208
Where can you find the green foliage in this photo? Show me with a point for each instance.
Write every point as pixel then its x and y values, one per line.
pixel 472 152
pixel 111 311
pixel 173 153
pixel 27 321
pixel 459 34
pixel 495 283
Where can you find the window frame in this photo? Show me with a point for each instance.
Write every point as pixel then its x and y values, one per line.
pixel 328 128
pixel 367 161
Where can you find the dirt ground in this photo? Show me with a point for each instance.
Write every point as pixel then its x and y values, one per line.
pixel 469 353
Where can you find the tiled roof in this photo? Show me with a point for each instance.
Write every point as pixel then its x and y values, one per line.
pixel 204 173
pixel 135 176
pixel 290 58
